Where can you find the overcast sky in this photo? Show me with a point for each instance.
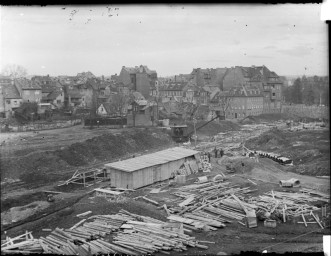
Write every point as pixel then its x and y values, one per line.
pixel 171 39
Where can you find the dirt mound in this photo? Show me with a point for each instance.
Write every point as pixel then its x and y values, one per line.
pixel 237 164
pixel 271 139
pixel 16 214
pixel 249 120
pixel 47 166
pixel 309 150
pixel 213 128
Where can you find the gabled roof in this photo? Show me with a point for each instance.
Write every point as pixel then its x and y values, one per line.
pixel 54 94
pixel 53 86
pixel 25 84
pixel 107 106
pixel 131 70
pixel 74 93
pixel 41 79
pixel 149 71
pixel 10 92
pixel 161 157
pixel 87 74
pixel 174 86
pixel 135 70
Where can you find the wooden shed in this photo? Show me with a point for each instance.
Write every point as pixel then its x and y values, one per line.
pixel 144 170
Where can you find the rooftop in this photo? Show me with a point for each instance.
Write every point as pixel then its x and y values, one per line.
pixel 161 157
pixel 10 92
pixel 26 84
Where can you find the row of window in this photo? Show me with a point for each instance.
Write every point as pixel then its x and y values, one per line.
pixel 28 92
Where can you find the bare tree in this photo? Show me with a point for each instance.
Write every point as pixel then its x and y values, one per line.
pixel 14 71
pixel 118 103
pixel 224 103
pixel 189 108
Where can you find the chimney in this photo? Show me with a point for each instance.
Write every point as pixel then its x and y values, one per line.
pixel 175 78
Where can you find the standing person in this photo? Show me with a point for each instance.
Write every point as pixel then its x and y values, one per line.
pixel 215 151
pixel 209 156
pixel 98 123
pixel 257 157
pixel 221 152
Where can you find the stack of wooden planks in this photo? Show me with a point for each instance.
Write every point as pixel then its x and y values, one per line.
pixel 208 206
pixel 24 243
pixel 122 233
pixel 147 237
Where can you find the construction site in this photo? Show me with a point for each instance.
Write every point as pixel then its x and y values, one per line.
pixel 261 184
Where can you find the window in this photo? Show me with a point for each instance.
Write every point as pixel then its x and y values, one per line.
pixel 15 102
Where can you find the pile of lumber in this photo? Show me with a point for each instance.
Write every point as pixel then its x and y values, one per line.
pixel 24 243
pixel 209 205
pixel 122 233
pixel 321 196
pixel 188 168
pixel 147 237
pixel 285 205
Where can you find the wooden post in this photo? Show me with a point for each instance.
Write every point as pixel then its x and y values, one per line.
pixel 304 220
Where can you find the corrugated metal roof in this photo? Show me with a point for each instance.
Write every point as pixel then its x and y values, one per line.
pixel 161 157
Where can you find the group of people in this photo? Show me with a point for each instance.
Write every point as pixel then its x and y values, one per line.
pixel 218 152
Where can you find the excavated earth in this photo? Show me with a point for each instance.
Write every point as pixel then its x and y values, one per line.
pixel 82 148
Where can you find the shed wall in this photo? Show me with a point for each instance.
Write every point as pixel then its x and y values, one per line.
pixel 121 179
pixel 145 176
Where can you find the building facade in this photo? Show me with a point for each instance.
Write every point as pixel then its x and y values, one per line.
pixel 138 79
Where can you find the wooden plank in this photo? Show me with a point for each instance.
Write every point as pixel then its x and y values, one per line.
pixel 77 224
pixel 84 213
pixel 107 191
pixel 166 209
pixel 52 192
pixel 319 223
pixel 150 200
pixel 187 201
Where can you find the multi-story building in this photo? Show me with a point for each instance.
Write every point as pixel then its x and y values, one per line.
pixel 10 100
pixel 238 102
pixel 172 90
pixel 209 76
pixel 29 90
pixel 267 81
pixel 138 79
pixel 52 90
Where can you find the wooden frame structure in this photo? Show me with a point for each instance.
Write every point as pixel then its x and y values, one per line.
pixel 83 176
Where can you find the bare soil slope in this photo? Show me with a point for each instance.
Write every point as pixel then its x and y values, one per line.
pixel 46 166
pixel 309 149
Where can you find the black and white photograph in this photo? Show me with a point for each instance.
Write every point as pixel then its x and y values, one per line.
pixel 164 129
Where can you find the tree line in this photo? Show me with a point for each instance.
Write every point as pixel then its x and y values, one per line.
pixel 308 90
